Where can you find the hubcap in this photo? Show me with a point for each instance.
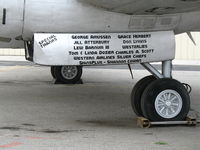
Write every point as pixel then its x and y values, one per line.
pixel 69 72
pixel 168 104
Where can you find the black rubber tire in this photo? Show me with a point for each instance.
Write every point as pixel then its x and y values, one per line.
pixel 152 91
pixel 53 72
pixel 60 78
pixel 137 94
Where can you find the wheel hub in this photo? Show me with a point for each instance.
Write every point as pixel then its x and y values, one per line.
pixel 69 72
pixel 168 104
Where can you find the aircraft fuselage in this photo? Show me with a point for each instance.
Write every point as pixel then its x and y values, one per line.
pixel 22 18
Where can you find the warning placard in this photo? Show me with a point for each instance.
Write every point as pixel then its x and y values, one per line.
pixel 103 48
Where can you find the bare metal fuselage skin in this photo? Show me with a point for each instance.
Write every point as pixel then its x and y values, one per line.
pixel 23 18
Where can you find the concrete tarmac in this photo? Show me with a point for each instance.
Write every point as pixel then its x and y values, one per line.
pixel 35 114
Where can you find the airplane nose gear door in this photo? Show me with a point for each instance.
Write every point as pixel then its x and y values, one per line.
pixel 11 23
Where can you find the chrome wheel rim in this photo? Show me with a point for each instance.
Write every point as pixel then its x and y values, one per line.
pixel 69 72
pixel 168 104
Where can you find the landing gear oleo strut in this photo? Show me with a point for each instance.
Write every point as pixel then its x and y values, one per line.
pixel 157 97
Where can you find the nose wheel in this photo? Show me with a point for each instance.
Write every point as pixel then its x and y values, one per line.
pixel 159 97
pixel 67 74
pixel 165 100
